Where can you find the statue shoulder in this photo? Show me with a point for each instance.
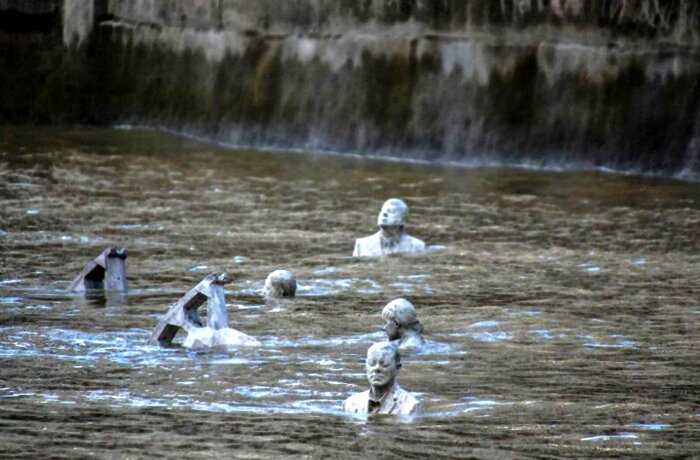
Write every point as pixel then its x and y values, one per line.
pixel 357 403
pixel 416 244
pixel 368 246
pixel 368 239
pixel 412 343
pixel 233 337
pixel 205 337
pixel 409 404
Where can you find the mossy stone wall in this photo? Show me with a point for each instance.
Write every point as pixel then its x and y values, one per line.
pixel 381 84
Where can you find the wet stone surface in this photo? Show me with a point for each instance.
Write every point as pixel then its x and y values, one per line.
pixel 561 318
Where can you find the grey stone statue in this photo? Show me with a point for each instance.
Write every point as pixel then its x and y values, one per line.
pixel 402 325
pixel 184 315
pixel 391 237
pixel 280 283
pixel 107 271
pixel 384 396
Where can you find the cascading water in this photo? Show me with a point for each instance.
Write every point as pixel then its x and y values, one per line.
pixel 562 84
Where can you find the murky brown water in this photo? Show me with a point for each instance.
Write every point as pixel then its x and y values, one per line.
pixel 563 316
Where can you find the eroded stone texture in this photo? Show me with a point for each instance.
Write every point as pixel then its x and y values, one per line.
pixel 107 271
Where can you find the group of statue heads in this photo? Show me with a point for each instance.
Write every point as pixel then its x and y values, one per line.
pixel 383 362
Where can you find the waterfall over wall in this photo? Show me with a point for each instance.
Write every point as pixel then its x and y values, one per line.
pixel 608 83
pixel 79 16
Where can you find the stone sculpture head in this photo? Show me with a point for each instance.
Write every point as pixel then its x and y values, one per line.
pixel 280 283
pixel 400 318
pixel 382 365
pixel 392 215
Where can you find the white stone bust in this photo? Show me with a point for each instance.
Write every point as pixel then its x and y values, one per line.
pixel 280 283
pixel 402 325
pixel 384 396
pixel 391 237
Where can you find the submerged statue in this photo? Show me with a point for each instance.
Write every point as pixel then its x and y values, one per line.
pixel 402 324
pixel 107 271
pixel 384 396
pixel 184 315
pixel 280 283
pixel 391 237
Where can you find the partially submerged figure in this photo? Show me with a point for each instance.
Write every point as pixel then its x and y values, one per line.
pixel 184 315
pixel 391 237
pixel 402 324
pixel 280 283
pixel 384 396
pixel 106 271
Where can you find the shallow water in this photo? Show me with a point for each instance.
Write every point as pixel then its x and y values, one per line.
pixel 562 316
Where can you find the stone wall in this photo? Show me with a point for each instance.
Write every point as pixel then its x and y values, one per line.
pixel 609 83
pixel 671 20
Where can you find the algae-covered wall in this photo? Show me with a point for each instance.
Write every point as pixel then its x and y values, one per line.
pixel 675 20
pixel 596 82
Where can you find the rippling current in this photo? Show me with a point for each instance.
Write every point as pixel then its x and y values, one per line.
pixel 562 314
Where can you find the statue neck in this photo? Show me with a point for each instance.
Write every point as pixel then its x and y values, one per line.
pixel 377 393
pixel 392 236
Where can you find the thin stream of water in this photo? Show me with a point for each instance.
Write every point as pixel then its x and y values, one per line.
pixel 561 314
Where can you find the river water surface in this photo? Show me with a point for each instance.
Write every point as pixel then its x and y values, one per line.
pixel 562 314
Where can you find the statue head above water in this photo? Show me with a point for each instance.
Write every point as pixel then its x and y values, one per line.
pixel 384 396
pixel 382 366
pixel 401 323
pixel 280 283
pixel 391 237
pixel 393 214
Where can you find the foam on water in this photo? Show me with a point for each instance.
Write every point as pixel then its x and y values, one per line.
pixel 611 437
pixel 277 342
pixel 651 426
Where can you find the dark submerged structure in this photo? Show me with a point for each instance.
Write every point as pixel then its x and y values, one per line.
pixel 583 83
pixel 184 314
pixel 105 272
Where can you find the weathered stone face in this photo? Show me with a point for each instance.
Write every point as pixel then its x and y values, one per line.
pixel 393 213
pixel 382 364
